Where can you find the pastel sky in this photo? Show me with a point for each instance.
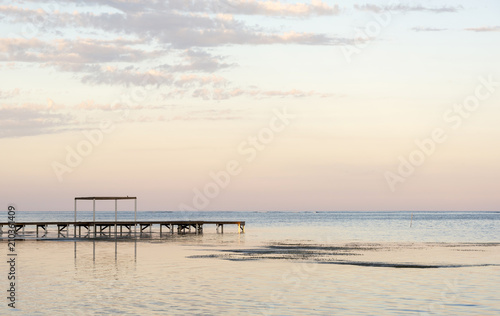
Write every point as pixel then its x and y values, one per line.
pixel 251 105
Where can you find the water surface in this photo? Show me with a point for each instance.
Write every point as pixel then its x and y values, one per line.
pixel 285 264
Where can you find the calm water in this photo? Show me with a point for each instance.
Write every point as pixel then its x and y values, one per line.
pixel 285 264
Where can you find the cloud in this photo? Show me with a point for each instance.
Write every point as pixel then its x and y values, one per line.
pixel 92 105
pixel 188 81
pixel 227 93
pixel 196 60
pixel 72 51
pixel 112 75
pixel 171 46
pixel 7 94
pixel 176 85
pixel 406 8
pixel 484 29
pixel 240 7
pixel 277 8
pixel 427 29
pixel 130 75
pixel 28 119
pixel 210 115
pixel 51 117
pixel 31 119
pixel 196 28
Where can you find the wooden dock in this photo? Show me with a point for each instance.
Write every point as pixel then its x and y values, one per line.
pixel 101 228
pixel 98 228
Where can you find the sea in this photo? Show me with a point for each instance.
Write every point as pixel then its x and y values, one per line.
pixel 285 263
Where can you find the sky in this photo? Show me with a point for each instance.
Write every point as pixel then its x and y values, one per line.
pixel 251 105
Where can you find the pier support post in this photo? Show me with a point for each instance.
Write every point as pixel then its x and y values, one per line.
pixel 95 233
pixel 116 217
pixel 74 224
pixel 44 227
pixel 135 220
pixel 199 228
pixel 221 226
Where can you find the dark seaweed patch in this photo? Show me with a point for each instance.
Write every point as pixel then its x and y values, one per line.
pixel 328 254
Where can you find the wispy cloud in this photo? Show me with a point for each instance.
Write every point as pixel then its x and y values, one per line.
pixel 484 29
pixel 28 119
pixel 176 28
pixel 224 94
pixel 150 32
pixel 7 94
pixel 427 29
pixel 92 105
pixel 31 119
pixel 406 8
pixel 196 60
pixel 210 115
pixel 240 7
pixel 130 75
pixel 72 51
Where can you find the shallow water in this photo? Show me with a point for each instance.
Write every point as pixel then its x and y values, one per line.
pixel 289 268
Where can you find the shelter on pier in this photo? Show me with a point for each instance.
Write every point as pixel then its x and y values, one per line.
pixel 107 198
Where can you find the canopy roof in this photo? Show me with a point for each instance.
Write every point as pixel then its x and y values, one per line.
pixel 106 198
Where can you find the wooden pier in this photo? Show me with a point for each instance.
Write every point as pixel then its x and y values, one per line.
pixel 100 228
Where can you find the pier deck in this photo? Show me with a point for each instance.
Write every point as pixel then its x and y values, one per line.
pixel 100 227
